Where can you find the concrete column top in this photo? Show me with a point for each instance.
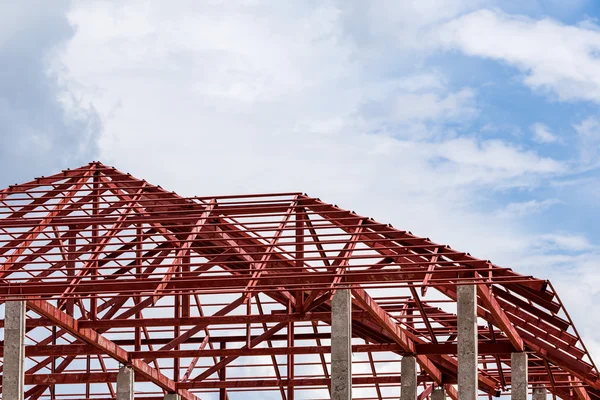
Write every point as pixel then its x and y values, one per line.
pixel 125 383
pixel 408 378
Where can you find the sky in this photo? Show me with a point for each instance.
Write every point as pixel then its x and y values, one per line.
pixel 472 122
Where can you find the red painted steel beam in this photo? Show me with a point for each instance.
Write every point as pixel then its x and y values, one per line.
pixel 580 391
pixel 110 377
pixel 227 360
pixel 108 347
pixel 496 311
pixel 298 382
pixel 399 335
pixel 270 281
pixel 62 350
pixel 500 319
pixel 518 305
pixel 576 366
pixel 184 249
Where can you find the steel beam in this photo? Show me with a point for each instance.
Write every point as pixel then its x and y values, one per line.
pixel 108 347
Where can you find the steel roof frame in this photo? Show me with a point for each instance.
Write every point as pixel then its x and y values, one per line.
pixel 220 294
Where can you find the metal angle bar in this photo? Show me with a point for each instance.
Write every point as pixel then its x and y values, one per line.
pixel 26 241
pixel 423 314
pixel 87 267
pixel 108 377
pixel 118 353
pixel 270 346
pixel 230 359
pixel 340 262
pixel 399 335
pixel 184 249
pixel 114 307
pixel 77 349
pixel 205 342
pixel 499 317
pixel 42 181
pixel 430 269
pixel 192 331
pixel 121 193
pixel 258 270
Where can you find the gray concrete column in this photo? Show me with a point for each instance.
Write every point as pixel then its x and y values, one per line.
pixel 172 396
pixel 539 393
pixel 439 393
pixel 467 342
pixel 408 378
pixel 518 376
pixel 341 345
pixel 13 381
pixel 125 383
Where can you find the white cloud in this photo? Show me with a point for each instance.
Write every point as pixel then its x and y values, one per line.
pixel 543 134
pixel 588 131
pixel 557 241
pixel 229 87
pixel 525 208
pixel 253 99
pixel 555 57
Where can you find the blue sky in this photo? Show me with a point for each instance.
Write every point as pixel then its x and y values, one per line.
pixel 472 122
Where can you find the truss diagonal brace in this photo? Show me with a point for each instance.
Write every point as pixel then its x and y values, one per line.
pixel 398 334
pixel 92 337
pixel 500 317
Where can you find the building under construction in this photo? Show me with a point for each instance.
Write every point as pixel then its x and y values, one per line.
pixel 113 288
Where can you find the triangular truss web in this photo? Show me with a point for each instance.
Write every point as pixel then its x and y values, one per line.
pixel 222 296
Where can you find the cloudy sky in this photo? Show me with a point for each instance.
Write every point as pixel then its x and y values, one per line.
pixel 472 122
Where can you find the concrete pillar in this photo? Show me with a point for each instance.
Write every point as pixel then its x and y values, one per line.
pixel 518 376
pixel 408 378
pixel 467 342
pixel 341 345
pixel 172 396
pixel 438 393
pixel 13 381
pixel 125 383
pixel 539 393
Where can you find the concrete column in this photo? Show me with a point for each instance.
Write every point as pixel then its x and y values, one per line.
pixel 518 376
pixel 172 396
pixel 408 378
pixel 467 342
pixel 539 393
pixel 438 393
pixel 341 345
pixel 125 383
pixel 13 381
